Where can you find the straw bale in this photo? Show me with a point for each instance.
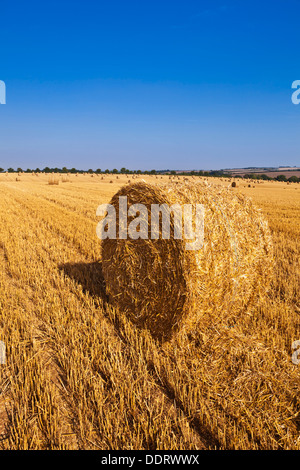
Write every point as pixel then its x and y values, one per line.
pixel 163 286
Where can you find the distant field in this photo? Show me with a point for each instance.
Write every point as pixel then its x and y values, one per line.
pixel 272 174
pixel 286 173
pixel 80 375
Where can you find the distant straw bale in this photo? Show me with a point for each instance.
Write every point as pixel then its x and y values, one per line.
pixel 53 179
pixel 162 286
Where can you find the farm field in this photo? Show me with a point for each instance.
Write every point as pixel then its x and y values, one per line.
pixel 80 375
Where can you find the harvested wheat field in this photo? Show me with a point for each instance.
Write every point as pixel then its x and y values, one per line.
pixel 80 374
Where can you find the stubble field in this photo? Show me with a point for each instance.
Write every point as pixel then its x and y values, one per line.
pixel 80 375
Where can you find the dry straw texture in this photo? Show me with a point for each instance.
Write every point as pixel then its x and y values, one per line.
pixel 161 285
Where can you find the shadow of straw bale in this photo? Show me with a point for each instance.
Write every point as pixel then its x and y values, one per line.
pixel 89 276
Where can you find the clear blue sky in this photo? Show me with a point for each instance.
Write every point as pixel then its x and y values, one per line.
pixel 149 84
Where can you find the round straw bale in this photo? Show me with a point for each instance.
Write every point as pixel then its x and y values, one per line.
pixel 161 285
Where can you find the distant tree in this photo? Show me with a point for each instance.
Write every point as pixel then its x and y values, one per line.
pixel 64 169
pixel 37 170
pixel 216 173
pixel 47 169
pixel 173 172
pixel 90 170
pixel 294 179
pixel 73 170
pixel 123 170
pixel 10 170
pixel 28 170
pixel 139 172
pixel 115 171
pixel 19 170
pixel 153 172
pixel 1 169
pixel 281 178
pixel 264 177
pixel 106 171
pixel 98 170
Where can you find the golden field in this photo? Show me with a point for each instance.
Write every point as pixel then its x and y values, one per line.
pixel 80 375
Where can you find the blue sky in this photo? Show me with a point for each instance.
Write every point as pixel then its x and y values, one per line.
pixel 149 84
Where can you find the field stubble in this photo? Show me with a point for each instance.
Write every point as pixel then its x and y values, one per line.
pixel 80 375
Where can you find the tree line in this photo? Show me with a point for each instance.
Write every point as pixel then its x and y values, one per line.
pixel 213 173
